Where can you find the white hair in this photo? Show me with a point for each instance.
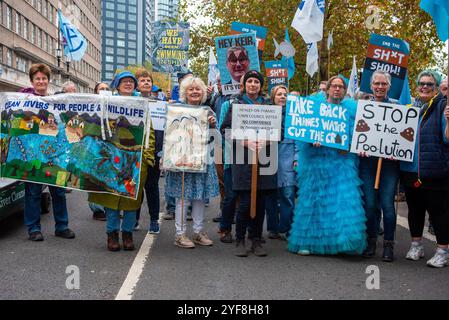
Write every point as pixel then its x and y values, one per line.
pixel 381 73
pixel 186 83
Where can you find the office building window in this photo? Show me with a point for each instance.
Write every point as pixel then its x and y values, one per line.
pixel 33 34
pixel 109 59
pixel 1 53
pixel 9 17
pixel 21 64
pixel 9 57
pixel 110 5
pixel 25 28
pixel 120 43
pixel 18 24
pixel 39 5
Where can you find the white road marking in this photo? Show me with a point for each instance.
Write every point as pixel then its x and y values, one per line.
pixel 129 285
pixel 403 222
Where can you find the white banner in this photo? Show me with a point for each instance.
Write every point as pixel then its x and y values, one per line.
pixel 385 130
pixel 256 122
pixel 158 114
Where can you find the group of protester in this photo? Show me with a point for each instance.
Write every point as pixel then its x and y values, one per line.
pixel 320 200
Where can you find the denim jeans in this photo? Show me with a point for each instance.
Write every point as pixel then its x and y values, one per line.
pixel 170 204
pixel 32 213
pixel 95 207
pixel 286 196
pixel 382 199
pixel 113 220
pixel 229 201
pixel 272 212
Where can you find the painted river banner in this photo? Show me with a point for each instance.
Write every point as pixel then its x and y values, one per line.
pixel 79 141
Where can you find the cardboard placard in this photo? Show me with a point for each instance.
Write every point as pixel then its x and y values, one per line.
pixel 256 122
pixel 312 121
pixel 385 130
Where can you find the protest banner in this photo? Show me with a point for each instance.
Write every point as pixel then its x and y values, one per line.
pixel 80 141
pixel 185 140
pixel 389 55
pixel 313 121
pixel 277 73
pixel 158 115
pixel 261 34
pixel 256 122
pixel 385 130
pixel 236 55
pixel 170 46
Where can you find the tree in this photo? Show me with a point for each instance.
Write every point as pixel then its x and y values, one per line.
pixel 346 18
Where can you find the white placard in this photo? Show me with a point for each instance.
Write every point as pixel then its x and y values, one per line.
pixel 158 114
pixel 256 122
pixel 385 130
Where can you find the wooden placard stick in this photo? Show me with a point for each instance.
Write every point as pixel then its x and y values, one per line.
pixel 379 169
pixel 254 185
pixel 182 203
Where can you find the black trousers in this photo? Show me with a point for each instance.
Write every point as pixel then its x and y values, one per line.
pixel 436 203
pixel 243 219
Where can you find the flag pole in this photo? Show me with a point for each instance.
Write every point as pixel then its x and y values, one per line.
pixel 329 64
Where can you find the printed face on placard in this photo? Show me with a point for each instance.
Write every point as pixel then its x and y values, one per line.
pixel 237 62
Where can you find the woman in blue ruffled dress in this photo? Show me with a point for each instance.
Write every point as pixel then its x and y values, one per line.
pixel 197 186
pixel 329 216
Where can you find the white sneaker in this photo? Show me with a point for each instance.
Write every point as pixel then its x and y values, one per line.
pixel 440 259
pixel 416 252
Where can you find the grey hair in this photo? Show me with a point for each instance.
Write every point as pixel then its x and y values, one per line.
pixel 68 84
pixel 381 73
pixel 187 83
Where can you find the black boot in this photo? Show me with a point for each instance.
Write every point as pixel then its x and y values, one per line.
pixel 370 250
pixel 257 248
pixel 387 256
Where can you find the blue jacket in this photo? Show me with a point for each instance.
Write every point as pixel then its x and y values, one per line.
pixel 431 157
pixel 175 94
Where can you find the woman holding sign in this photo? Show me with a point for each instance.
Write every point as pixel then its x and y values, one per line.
pixel 329 216
pixel 126 84
pixel 192 187
pixel 426 179
pixel 381 201
pixel 242 171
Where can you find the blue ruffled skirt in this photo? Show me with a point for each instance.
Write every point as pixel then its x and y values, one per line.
pixel 329 216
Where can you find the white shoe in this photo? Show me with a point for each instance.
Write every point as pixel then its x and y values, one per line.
pixel 416 252
pixel 440 259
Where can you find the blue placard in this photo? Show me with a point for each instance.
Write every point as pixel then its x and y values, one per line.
pixel 236 55
pixel 261 34
pixel 386 54
pixel 312 120
pixel 277 73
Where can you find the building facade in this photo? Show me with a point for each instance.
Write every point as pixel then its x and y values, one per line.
pixel 127 31
pixel 122 44
pixel 30 34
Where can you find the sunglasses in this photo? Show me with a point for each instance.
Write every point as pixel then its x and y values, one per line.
pixel 426 84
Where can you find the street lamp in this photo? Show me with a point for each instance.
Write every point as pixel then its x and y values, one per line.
pixel 68 59
pixel 58 57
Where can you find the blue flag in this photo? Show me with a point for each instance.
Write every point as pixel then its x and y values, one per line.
pixel 439 11
pixel 74 42
pixel 290 60
pixel 405 97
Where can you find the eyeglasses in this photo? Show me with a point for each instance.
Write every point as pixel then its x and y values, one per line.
pixel 337 86
pixel 426 84
pixel 127 81
pixel 380 84
pixel 241 58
